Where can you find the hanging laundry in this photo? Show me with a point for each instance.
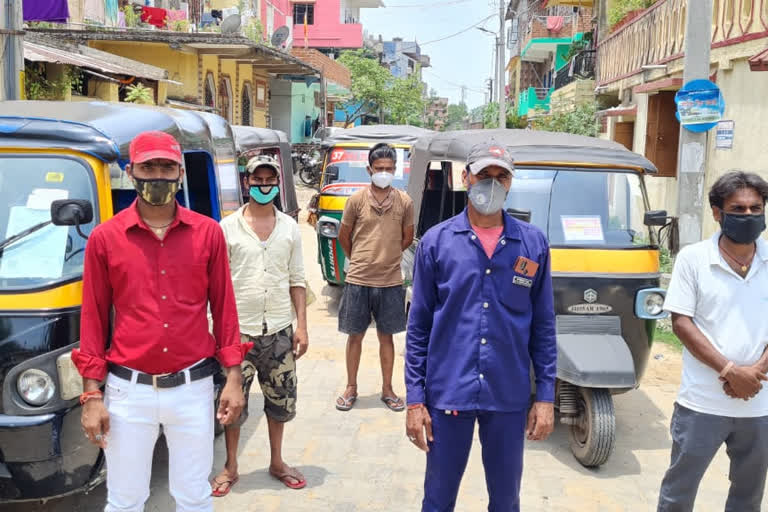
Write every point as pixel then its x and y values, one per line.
pixel 154 16
pixel 176 15
pixel 555 23
pixel 46 10
pixel 121 19
pixel 110 13
pixel 94 11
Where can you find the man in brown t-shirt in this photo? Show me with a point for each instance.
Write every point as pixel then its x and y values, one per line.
pixel 377 226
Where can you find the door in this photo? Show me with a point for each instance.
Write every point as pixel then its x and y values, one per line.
pixel 663 133
pixel 624 134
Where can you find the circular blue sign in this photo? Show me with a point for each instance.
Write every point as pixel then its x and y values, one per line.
pixel 700 105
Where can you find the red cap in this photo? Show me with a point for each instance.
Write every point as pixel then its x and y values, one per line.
pixel 150 145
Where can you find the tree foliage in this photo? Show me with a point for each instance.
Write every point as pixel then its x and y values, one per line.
pixel 491 117
pixel 375 90
pixel 457 115
pixel 581 121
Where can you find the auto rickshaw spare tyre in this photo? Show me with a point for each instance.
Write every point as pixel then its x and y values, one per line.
pixel 592 433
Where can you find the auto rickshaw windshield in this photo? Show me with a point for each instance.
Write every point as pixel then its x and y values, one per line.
pixel 352 166
pixel 52 254
pixel 582 208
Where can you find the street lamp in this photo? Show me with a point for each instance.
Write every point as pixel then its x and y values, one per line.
pixel 495 58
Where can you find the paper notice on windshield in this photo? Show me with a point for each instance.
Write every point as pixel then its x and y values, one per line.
pixel 39 255
pixel 41 198
pixel 582 228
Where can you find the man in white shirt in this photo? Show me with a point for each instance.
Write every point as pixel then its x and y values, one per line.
pixel 718 298
pixel 266 262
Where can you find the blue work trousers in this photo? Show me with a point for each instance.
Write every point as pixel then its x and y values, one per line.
pixel 501 436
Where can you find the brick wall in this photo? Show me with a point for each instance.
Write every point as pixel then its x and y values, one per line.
pixel 332 70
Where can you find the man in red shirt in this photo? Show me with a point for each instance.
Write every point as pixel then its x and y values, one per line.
pixel 158 266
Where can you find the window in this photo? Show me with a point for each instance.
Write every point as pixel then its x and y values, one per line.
pixel 225 99
pixel 245 105
pixel 209 99
pixel 261 94
pixel 299 10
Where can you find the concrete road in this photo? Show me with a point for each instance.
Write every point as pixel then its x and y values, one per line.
pixel 361 461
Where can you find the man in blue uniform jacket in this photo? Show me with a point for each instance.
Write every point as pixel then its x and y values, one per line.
pixel 482 312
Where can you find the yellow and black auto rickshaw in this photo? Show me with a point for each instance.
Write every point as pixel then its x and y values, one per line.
pixel 61 174
pixel 344 173
pixel 588 196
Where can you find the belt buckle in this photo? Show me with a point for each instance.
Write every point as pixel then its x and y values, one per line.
pixel 154 379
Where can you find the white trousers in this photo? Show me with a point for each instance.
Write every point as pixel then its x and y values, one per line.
pixel 136 412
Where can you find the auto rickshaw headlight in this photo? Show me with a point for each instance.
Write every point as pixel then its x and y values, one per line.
pixel 650 304
pixel 328 227
pixel 36 387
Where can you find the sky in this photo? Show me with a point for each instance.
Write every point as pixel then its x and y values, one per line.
pixel 466 59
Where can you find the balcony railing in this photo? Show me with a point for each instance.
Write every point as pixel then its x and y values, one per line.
pixel 582 66
pixel 657 36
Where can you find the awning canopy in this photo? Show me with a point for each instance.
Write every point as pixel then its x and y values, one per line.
pixel 229 47
pixel 84 57
pixel 759 62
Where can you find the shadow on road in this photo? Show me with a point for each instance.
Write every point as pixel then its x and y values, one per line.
pixel 261 479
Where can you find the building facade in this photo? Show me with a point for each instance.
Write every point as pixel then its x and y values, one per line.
pixel 640 69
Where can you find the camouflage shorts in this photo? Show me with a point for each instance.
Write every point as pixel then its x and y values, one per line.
pixel 271 360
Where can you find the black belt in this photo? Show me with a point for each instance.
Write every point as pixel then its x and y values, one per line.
pixel 201 370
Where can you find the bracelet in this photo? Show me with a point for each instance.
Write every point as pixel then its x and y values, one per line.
pixel 90 394
pixel 415 406
pixel 726 369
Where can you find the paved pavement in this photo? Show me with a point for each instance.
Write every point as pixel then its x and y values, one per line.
pixel 361 461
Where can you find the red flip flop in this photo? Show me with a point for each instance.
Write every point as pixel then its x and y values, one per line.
pixel 215 485
pixel 291 474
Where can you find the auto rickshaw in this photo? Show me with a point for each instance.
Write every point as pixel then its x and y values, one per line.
pixel 61 174
pixel 344 173
pixel 588 196
pixel 250 142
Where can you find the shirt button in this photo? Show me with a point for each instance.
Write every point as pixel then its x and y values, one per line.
pixel 473 237
pixel 485 305
pixel 503 242
pixel 165 325
pixel 162 272
pixel 482 376
pixel 163 297
pixel 165 349
pixel 162 244
pixel 447 412
pixel 483 341
pixel 487 271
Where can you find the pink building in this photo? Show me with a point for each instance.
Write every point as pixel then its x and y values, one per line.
pixel 332 25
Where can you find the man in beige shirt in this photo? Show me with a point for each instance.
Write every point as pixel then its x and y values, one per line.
pixel 377 226
pixel 266 262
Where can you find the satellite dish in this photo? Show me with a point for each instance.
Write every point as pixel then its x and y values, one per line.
pixel 231 24
pixel 280 36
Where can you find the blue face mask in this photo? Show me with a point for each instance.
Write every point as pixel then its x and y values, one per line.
pixel 264 194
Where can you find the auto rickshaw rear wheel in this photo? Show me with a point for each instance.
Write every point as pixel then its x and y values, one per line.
pixel 593 434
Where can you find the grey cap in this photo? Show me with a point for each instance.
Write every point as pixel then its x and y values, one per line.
pixel 489 153
pixel 262 161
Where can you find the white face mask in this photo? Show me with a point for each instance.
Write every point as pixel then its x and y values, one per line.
pixel 382 179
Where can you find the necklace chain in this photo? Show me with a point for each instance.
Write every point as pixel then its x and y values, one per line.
pixel 744 266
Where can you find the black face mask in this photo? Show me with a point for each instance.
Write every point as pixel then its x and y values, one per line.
pixel 742 229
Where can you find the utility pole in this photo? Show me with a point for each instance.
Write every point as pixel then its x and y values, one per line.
pixel 11 51
pixel 500 80
pixel 692 160
pixel 464 94
pixel 490 90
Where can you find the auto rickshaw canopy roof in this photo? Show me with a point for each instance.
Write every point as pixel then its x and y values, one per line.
pixel 250 137
pixel 529 147
pixel 373 134
pixel 99 128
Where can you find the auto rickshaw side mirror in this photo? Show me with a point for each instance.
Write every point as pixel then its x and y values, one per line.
pixel 656 218
pixel 523 215
pixel 332 171
pixel 72 212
